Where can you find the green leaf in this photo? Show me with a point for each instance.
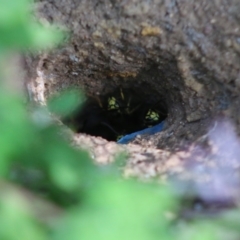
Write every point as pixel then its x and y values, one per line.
pixel 19 31
pixel 66 103
pixel 16 221
pixel 120 210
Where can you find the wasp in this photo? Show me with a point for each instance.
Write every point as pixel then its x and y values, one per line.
pixel 117 114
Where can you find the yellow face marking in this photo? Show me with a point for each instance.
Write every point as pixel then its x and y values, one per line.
pixel 112 103
pixel 152 115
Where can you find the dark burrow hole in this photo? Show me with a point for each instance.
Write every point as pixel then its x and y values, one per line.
pixel 123 111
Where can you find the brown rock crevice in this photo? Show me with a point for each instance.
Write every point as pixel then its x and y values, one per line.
pixel 185 53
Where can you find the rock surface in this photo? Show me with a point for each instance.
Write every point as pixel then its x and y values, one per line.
pixel 183 53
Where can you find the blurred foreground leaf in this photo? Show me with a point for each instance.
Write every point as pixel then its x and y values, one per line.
pixel 18 29
pixel 66 103
pixel 16 221
pixel 117 209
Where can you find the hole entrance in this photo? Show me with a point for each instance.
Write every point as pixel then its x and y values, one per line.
pixel 121 112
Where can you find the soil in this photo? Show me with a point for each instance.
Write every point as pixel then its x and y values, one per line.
pixel 184 54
